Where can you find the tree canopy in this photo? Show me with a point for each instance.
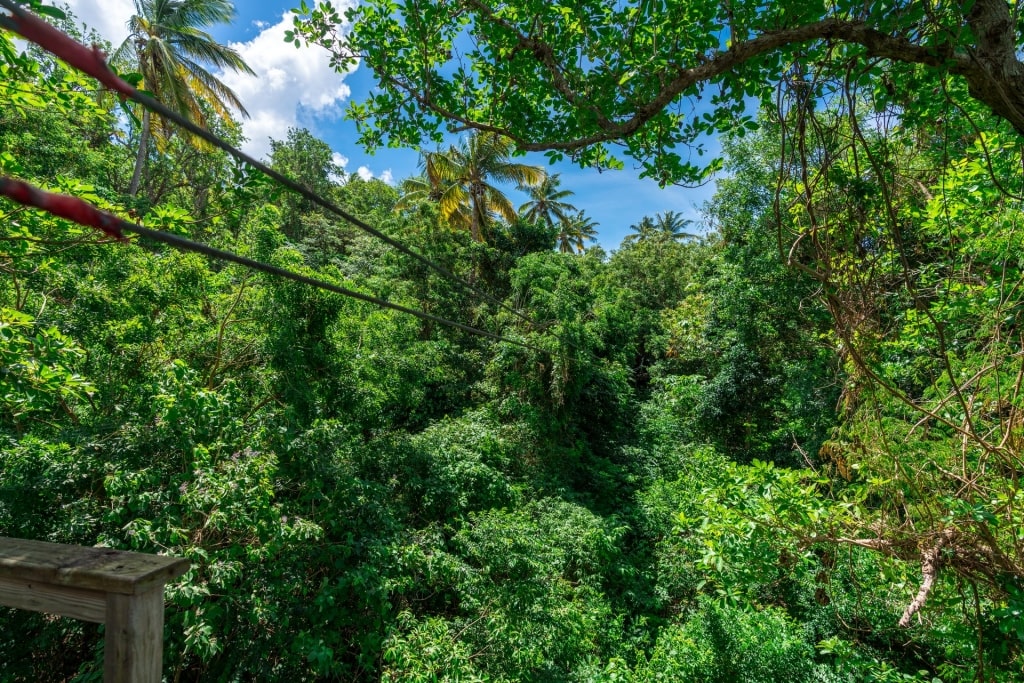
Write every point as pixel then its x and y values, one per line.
pixel 461 180
pixel 656 77
pixel 789 450
pixel 546 202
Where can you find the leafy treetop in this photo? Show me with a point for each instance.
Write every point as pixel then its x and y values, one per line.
pixel 572 78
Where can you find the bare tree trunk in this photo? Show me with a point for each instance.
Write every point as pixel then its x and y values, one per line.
pixel 476 216
pixel 140 158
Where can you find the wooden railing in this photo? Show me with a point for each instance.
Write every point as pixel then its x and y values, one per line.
pixel 123 590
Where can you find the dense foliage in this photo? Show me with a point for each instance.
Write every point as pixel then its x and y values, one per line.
pixel 656 77
pixel 786 451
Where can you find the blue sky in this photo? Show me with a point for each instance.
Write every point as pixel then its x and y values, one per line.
pixel 297 88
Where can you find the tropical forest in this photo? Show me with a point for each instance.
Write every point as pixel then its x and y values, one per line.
pixel 434 428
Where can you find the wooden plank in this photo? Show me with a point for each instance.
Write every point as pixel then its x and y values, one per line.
pixel 133 649
pixel 101 569
pixel 41 597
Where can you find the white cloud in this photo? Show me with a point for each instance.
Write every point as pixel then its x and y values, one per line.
pixel 365 173
pixel 286 81
pixel 341 161
pixel 108 17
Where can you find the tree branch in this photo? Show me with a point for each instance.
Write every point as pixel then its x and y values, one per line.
pixel 931 562
pixel 991 69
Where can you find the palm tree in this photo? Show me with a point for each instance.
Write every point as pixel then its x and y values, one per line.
pixel 461 180
pixel 575 230
pixel 645 230
pixel 169 48
pixel 666 226
pixel 546 202
pixel 671 225
pixel 421 188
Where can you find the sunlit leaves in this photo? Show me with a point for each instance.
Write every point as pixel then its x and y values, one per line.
pixel 38 367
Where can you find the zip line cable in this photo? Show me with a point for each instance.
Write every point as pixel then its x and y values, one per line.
pixel 93 63
pixel 83 213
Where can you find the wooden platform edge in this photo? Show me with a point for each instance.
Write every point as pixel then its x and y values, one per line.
pixel 41 597
pixel 88 568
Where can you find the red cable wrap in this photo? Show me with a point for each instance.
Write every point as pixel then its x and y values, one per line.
pixel 71 208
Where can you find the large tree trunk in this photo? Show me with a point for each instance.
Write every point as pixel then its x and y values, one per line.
pixel 999 78
pixel 140 158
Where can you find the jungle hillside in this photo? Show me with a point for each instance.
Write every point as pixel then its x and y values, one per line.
pixel 781 443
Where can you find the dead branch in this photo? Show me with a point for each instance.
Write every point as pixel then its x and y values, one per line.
pixel 931 562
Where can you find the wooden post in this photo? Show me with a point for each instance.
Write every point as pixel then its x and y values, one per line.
pixel 123 590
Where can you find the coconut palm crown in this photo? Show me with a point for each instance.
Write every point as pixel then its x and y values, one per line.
pixel 668 226
pixel 460 180
pixel 576 230
pixel 546 202
pixel 672 226
pixel 172 52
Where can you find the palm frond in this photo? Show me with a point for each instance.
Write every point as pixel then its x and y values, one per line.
pixel 170 50
pixel 210 88
pixel 452 200
pixel 497 203
pixel 201 46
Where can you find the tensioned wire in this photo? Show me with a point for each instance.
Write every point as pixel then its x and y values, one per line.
pixel 80 211
pixel 93 63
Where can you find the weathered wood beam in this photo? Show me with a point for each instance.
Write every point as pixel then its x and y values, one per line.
pixel 123 590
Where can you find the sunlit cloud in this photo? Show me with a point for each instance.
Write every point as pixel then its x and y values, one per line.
pixel 289 83
pixel 109 18
pixel 365 173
